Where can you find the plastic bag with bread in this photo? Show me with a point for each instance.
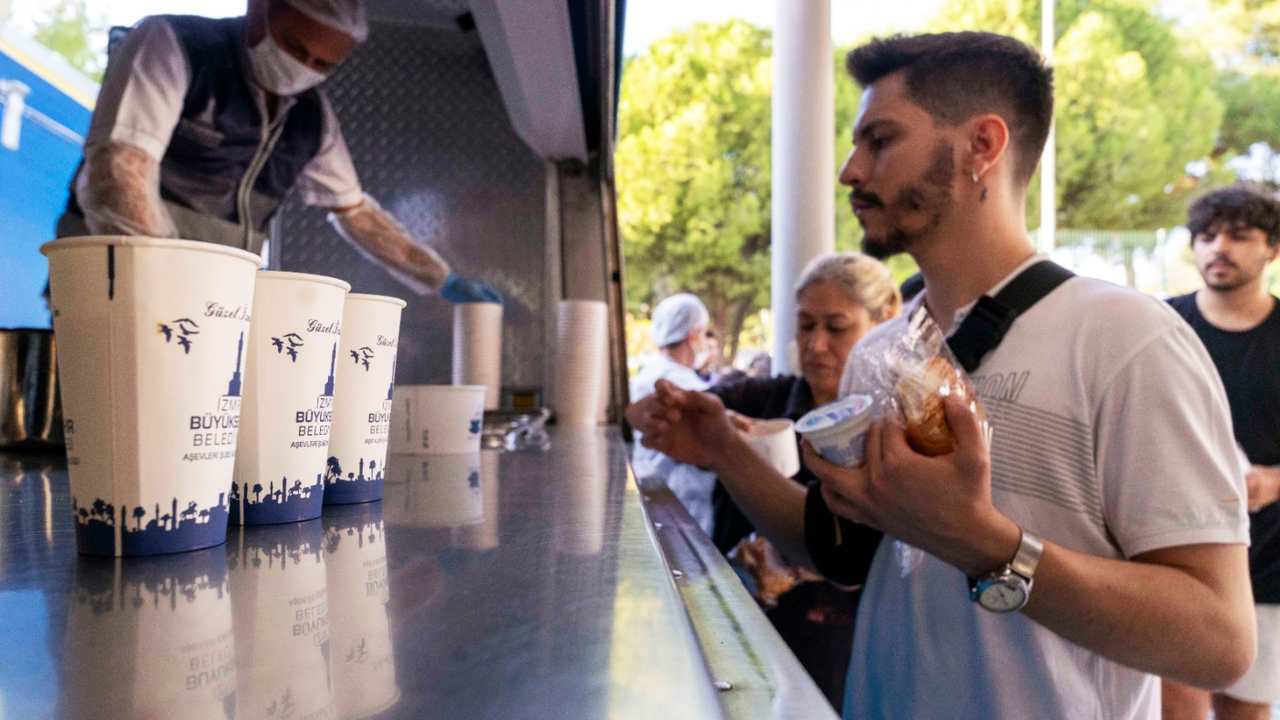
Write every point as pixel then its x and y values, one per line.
pixel 909 375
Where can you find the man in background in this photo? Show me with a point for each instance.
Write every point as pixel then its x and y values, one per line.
pixel 679 331
pixel 1235 234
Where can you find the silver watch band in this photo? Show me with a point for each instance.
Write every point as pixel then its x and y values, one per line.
pixel 1028 556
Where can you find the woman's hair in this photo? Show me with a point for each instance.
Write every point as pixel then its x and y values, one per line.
pixel 863 279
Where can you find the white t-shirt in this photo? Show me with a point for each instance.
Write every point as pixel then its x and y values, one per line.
pixel 1111 436
pixel 141 102
pixel 690 485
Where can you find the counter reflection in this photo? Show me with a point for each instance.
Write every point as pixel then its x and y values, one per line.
pixel 363 666
pixel 150 638
pixel 280 607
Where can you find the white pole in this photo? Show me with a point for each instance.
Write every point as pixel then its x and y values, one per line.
pixel 803 220
pixel 1049 162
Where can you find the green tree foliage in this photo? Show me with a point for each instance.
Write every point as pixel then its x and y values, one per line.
pixel 693 170
pixel 1135 105
pixel 67 29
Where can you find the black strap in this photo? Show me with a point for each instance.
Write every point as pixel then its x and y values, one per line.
pixel 985 327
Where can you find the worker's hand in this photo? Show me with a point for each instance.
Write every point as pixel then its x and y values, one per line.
pixel 459 289
pixel 1264 486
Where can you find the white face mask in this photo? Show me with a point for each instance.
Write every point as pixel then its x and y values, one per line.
pixel 701 359
pixel 278 71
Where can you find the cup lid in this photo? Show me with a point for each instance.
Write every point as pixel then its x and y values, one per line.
pixel 839 414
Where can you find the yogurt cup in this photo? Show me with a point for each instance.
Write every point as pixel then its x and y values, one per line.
pixel 838 430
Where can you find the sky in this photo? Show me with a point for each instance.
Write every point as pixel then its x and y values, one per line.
pixel 646 21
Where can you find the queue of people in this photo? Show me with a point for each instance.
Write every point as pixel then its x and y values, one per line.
pixel 1099 540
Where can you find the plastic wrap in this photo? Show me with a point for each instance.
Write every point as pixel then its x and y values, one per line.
pixel 379 237
pixel 908 376
pixel 118 190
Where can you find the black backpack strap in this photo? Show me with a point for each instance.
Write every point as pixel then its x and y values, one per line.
pixel 984 328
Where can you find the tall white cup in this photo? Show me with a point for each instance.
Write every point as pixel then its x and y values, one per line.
pixel 775 441
pixel 362 402
pixel 150 638
pixel 477 348
pixel 364 673
pixel 437 419
pixel 151 337
pixel 281 613
pixel 582 334
pixel 290 377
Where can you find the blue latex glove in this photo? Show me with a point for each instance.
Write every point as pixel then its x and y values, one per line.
pixel 459 289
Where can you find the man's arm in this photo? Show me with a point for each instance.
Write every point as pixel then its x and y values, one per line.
pixel 1181 612
pixel 118 190
pixel 692 428
pixel 373 232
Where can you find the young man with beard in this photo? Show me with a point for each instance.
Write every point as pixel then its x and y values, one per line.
pixel 1111 481
pixel 1235 234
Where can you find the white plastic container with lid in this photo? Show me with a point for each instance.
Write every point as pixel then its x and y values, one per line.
pixel 775 440
pixel 838 430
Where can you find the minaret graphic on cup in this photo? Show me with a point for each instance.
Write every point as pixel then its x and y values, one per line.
pixel 148 332
pixel 284 427
pixel 362 399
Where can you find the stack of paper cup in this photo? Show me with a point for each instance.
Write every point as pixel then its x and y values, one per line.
pixel 364 673
pixel 433 491
pixel 582 335
pixel 288 398
pixel 150 638
pixel 362 401
pixel 151 342
pixel 437 419
pixel 477 348
pixel 281 614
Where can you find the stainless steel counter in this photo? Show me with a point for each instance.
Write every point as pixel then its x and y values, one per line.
pixel 533 589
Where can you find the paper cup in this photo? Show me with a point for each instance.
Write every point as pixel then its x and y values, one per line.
pixel 362 403
pixel 364 673
pixel 775 440
pixel 151 337
pixel 582 334
pixel 150 638
pixel 281 612
pixel 483 535
pixel 433 491
pixel 837 430
pixel 290 374
pixel 477 348
pixel 437 419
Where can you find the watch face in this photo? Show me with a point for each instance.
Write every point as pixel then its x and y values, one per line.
pixel 1003 595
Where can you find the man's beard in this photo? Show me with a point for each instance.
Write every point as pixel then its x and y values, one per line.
pixel 930 195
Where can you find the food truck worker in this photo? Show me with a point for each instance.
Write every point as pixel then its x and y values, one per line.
pixel 203 126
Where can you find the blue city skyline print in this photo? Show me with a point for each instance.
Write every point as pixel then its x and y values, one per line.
pixel 353 485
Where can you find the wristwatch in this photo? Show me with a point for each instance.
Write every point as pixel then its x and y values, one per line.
pixel 1008 588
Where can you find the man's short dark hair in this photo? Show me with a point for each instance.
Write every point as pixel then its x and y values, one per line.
pixel 1242 205
pixel 958 76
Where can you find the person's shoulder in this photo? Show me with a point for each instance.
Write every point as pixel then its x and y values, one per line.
pixel 1098 306
pixel 1184 305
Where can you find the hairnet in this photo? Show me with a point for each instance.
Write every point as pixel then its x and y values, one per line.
pixel 345 15
pixel 676 317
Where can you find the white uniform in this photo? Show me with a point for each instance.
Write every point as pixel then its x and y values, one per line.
pixel 1111 437
pixel 692 486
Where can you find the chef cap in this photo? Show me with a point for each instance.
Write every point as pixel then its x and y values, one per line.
pixel 676 317
pixel 345 15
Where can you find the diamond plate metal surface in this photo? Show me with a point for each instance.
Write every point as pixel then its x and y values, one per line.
pixel 425 123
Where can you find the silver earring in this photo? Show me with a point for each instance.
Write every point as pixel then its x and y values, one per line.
pixel 975 174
